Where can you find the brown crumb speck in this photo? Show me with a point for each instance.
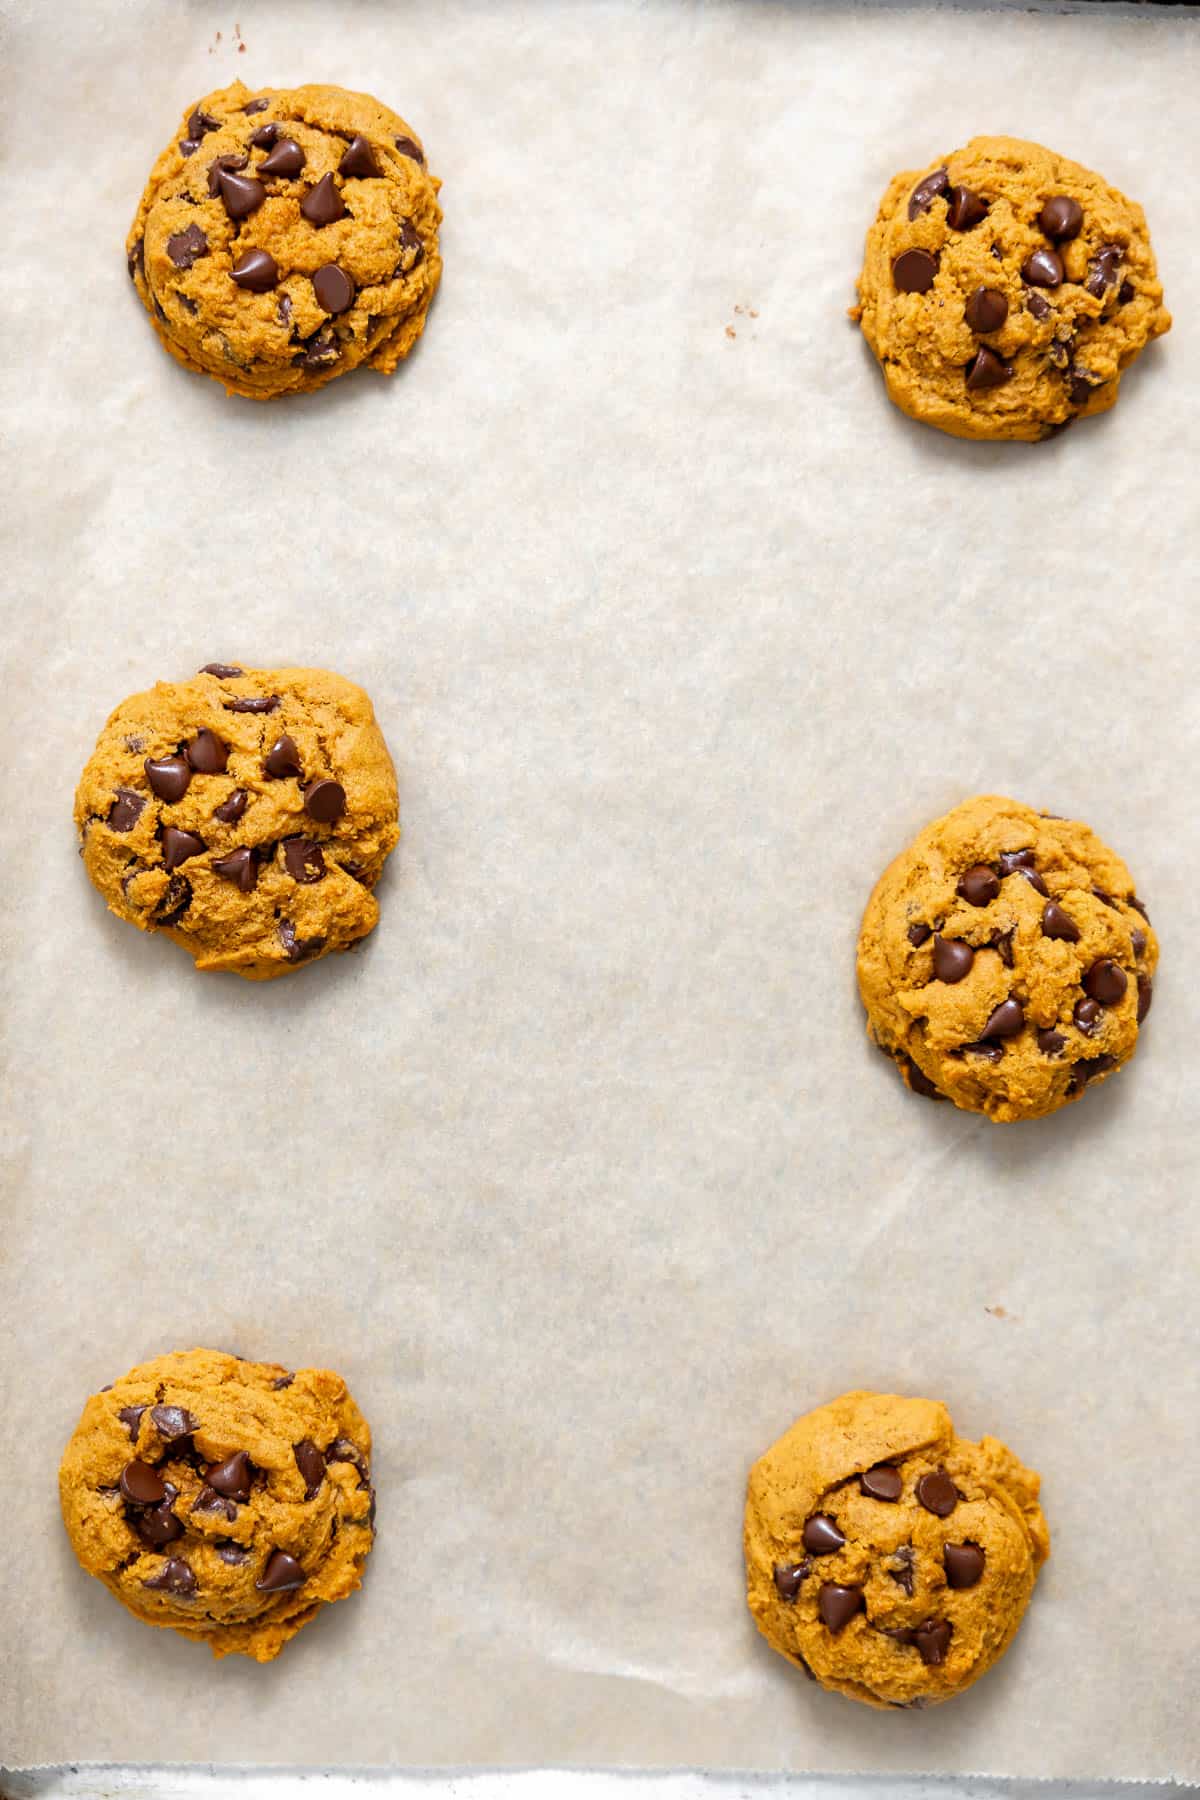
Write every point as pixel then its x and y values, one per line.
pixel 730 332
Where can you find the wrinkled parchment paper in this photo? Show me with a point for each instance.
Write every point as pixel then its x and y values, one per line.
pixel 582 1171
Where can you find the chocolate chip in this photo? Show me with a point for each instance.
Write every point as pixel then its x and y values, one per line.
pixel 979 885
pixel 201 123
pixel 1086 1014
pixel 932 1640
pixel 240 867
pixel 1138 940
pixel 881 1482
pixel 1138 907
pixel 1145 990
pixel 206 753
pixel 789 1577
pixel 965 209
pixel 175 1577
pixel 920 1083
pixel 1082 382
pixel 175 901
pixel 409 240
pixel 342 1450
pixel 282 1571
pixel 963 1564
pixel 927 191
pixel 229 161
pixel 1001 943
pixel 984 1052
pixel 359 159
pixel 125 810
pixel 231 1477
pixel 298 949
pixel 168 776
pixel 208 1500
pixel 937 1493
pixel 231 1552
pixel 1102 270
pixel 179 846
pixel 173 1422
pixel 1105 981
pixel 899 1634
pixel 821 1536
pixel 265 136
pixel 333 288
pixel 254 704
pixel 1125 292
pixel 1089 1067
pixel 1037 304
pixel 913 271
pixel 919 934
pixel 1006 1021
pixel 242 194
pixel 323 205
pixel 141 1484
pixel 1058 924
pixel 1061 217
pixel 131 1418
pixel 303 860
pixel 319 351
pixel 282 1381
pixel 1021 862
pixel 189 146
pixel 231 810
pixel 157 1525
pixel 311 1465
pixel 987 370
pixel 952 959
pixel 1043 268
pixel 283 758
pixel 186 246
pixel 259 105
pixel 224 671
pixel 286 159
pixel 325 801
pixel 256 271
pixel 986 310
pixel 283 312
pixel 837 1605
pixel 1050 1042
pixel 408 147
pixel 901 1568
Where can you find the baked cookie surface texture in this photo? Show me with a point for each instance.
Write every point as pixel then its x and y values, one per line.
pixel 286 237
pixel 1005 289
pixel 1006 961
pixel 888 1557
pixel 228 1500
pixel 247 813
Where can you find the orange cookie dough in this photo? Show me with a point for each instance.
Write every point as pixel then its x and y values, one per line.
pixel 888 1557
pixel 1005 289
pixel 247 813
pixel 286 237
pixel 1005 960
pixel 225 1499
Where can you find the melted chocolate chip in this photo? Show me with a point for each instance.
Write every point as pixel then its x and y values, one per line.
pixel 987 370
pixel 963 1564
pixel 789 1578
pixel 141 1484
pixel 1106 981
pixel 333 289
pixel 965 210
pixel 927 191
pixel 125 810
pixel 1006 1021
pixel 257 106
pixel 242 194
pixel 231 1552
pixel 185 247
pixel 325 801
pixel 1037 304
pixel 157 1525
pixel 1058 924
pixel 231 810
pixel 168 776
pixel 1043 268
pixel 252 704
pixel 984 1052
pixel 901 1568
pixel 1050 1042
pixel 409 240
pixel 913 271
pixel 298 949
pixel 224 671
pixel 179 846
pixel 821 1536
pixel 283 758
pixel 175 1577
pixel 1087 1015
pixel 1021 862
pixel 1145 990
pixel 311 1465
pixel 919 934
pixel 920 1083
pixel 408 147
pixel 837 1605
pixel 932 1640
pixel 282 1571
pixel 937 1493
pixel 1061 218
pixel 131 1418
pixel 240 867
pixel 319 350
pixel 1089 1067
pixel 1102 271
pixel 231 1477
pixel 173 1422
pixel 303 860
pixel 986 310
pixel 206 753
pixel 208 1500
pixel 979 885
pixel 265 136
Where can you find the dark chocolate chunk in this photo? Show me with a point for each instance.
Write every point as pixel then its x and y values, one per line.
pixel 919 934
pixel 173 1422
pixel 303 860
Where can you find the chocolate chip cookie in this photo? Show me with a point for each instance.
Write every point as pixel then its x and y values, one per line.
pixel 1005 290
pixel 225 1499
pixel 287 236
pixel 888 1557
pixel 1005 960
pixel 247 813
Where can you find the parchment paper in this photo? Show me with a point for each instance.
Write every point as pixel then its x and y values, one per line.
pixel 582 1171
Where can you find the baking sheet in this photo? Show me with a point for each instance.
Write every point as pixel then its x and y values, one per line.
pixel 582 1171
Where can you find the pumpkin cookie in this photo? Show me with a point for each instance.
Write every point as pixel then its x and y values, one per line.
pixel 1005 960
pixel 888 1557
pixel 1005 290
pixel 285 237
pixel 225 1499
pixel 247 813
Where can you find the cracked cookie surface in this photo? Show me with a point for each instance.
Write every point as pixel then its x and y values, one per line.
pixel 227 1500
pixel 287 236
pixel 1006 961
pixel 888 1557
pixel 247 813
pixel 1005 289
